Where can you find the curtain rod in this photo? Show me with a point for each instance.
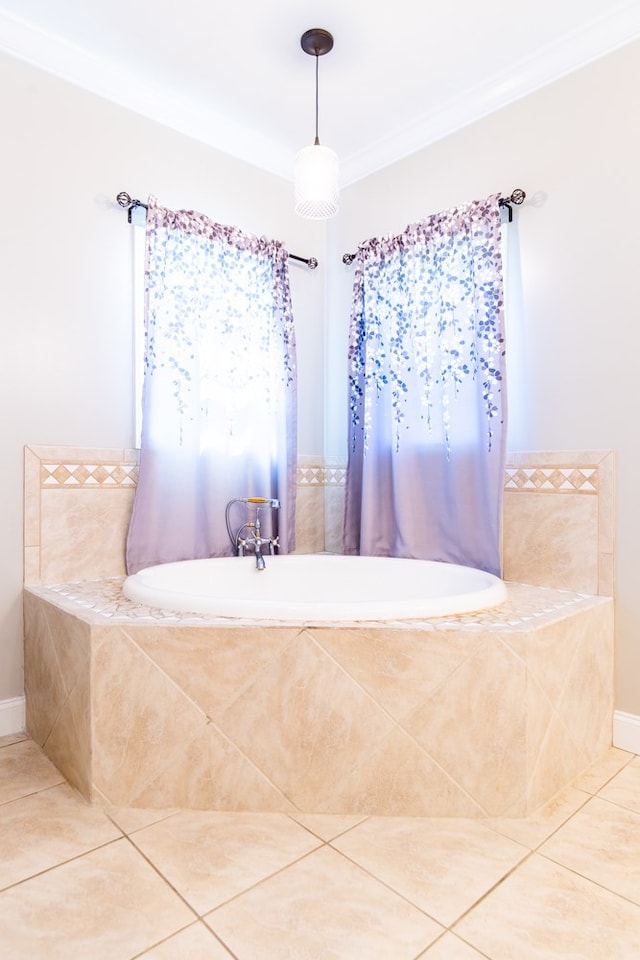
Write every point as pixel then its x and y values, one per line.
pixel 129 204
pixel 517 196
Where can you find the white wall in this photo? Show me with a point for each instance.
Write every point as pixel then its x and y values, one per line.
pixel 65 281
pixel 575 148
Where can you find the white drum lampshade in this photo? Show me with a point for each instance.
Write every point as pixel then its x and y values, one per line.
pixel 316 174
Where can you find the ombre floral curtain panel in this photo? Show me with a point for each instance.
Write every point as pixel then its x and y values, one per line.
pixel 427 422
pixel 219 394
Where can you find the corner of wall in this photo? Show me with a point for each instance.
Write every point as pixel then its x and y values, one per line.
pixel 12 716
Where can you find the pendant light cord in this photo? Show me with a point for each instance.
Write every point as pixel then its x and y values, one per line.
pixel 317 140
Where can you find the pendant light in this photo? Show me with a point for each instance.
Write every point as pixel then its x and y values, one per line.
pixel 316 167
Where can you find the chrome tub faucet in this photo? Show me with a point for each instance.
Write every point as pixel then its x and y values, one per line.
pixel 252 539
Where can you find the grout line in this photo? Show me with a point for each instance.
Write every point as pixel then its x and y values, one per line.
pixel 162 876
pixel 127 833
pixel 62 863
pixel 498 883
pixel 472 946
pixel 199 922
pixel 265 879
pixel 617 804
pixel 588 799
pixel 387 886
pixel 596 883
pixel 341 833
pixel 13 738
pixel 34 793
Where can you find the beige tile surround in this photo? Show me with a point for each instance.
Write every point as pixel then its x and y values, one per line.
pixel 485 714
pixel 77 504
pixel 559 520
pixel 559 514
pixel 140 708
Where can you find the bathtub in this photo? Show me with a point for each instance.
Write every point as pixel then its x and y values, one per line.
pixel 317 588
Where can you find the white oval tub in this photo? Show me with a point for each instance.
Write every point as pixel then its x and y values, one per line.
pixel 316 587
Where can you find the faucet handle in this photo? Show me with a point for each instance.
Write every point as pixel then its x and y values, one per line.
pixel 265 501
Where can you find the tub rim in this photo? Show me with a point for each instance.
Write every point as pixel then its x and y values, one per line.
pixel 481 591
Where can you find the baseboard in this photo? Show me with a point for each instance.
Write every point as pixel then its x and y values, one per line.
pixel 12 716
pixel 626 731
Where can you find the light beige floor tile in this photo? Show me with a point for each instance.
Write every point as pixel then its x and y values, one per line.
pixel 594 777
pixel 327 826
pixel 107 905
pixel 545 912
pixel 534 830
pixel 624 788
pixel 211 857
pixel 322 908
pixel 450 947
pixel 24 769
pixel 441 865
pixel 130 819
pixel 194 943
pixel 46 828
pixel 9 738
pixel 602 843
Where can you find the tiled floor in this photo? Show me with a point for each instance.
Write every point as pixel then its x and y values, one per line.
pixel 80 883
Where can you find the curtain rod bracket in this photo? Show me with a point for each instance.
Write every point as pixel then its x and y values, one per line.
pixel 128 203
pixel 517 197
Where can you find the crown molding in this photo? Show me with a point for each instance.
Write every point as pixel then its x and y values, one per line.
pixel 130 89
pixel 159 102
pixel 558 59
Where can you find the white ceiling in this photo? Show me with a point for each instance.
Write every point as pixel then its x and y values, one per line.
pixel 401 75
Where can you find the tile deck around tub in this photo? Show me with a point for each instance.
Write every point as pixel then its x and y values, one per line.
pixel 98 600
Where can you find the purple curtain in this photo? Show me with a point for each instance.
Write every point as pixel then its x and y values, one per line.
pixel 427 425
pixel 219 394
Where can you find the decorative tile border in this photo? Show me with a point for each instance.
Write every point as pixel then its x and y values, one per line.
pixel 539 479
pixel 552 479
pixel 78 474
pixel 321 475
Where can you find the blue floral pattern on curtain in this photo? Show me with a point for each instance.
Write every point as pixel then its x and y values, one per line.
pixel 219 393
pixel 427 377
